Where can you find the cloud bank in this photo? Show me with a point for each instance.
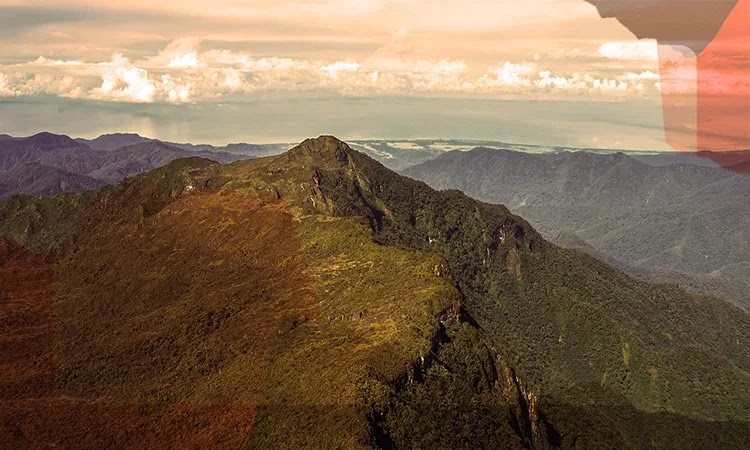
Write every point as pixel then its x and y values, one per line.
pixel 184 72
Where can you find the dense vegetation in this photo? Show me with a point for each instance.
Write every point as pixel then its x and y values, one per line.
pixel 578 327
pixel 318 299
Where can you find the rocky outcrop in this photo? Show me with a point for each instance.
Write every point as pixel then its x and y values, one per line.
pixel 524 413
pixel 526 416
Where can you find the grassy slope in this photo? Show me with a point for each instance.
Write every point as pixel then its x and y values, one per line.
pixel 224 301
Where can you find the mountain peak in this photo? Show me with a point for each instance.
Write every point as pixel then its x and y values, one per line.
pixel 149 145
pixel 113 141
pixel 50 141
pixel 121 135
pixel 327 150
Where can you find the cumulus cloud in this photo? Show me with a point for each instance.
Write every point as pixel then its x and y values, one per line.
pixel 17 84
pixel 177 90
pixel 528 78
pixel 645 50
pixel 44 62
pixel 5 87
pixel 179 54
pixel 510 75
pixel 334 69
pixel 125 82
pixel 184 61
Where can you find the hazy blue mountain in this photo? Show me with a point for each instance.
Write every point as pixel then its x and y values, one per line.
pixel 400 154
pixel 48 163
pixel 38 179
pixel 674 222
pixel 114 141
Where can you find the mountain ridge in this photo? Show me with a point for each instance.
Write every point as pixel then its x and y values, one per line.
pixel 46 141
pixel 38 179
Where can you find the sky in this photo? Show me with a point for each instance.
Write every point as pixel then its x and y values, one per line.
pixel 546 72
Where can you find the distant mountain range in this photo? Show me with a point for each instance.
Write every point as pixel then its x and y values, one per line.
pixel 47 164
pixel 400 154
pixel 114 141
pixel 664 220
pixel 394 154
pixel 317 299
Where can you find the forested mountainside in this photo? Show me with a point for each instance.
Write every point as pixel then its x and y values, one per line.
pixel 316 298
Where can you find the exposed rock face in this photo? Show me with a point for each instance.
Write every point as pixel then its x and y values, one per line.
pixel 526 415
